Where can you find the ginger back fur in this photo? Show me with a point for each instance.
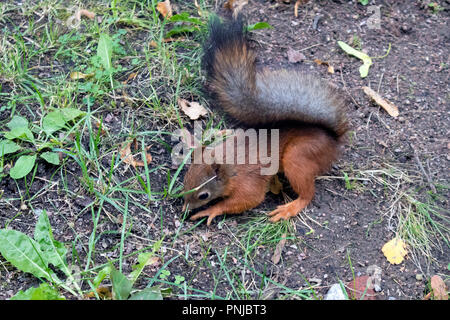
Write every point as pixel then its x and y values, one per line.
pixel 267 96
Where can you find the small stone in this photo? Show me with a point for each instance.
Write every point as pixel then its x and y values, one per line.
pixel 335 293
pixel 419 277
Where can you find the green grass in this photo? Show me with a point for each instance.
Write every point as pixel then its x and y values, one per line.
pixel 130 91
pixel 118 61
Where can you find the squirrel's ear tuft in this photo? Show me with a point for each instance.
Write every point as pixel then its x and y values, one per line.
pixel 216 168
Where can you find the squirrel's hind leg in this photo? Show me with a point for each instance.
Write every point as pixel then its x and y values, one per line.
pixel 303 159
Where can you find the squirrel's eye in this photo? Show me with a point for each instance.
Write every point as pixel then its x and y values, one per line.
pixel 203 196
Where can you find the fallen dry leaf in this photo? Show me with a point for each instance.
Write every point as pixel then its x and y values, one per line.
pixel 394 250
pixel 360 286
pixel 386 105
pixel 439 288
pixel 193 110
pixel 155 45
pixel 128 158
pixel 102 291
pixel 320 62
pixel 235 6
pixel 199 10
pixel 297 3
pixel 295 56
pixel 131 76
pixel 165 8
pixel 279 248
pixel 86 13
pixel 76 75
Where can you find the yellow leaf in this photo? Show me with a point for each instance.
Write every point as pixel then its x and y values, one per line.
pixel 80 75
pixel 395 250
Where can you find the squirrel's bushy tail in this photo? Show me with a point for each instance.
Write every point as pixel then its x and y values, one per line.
pixel 266 97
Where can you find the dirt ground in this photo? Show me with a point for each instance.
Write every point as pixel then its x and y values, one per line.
pixel 351 222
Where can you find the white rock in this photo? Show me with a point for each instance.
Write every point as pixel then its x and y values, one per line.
pixel 335 293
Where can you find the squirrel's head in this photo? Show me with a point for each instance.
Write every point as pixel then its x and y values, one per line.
pixel 206 183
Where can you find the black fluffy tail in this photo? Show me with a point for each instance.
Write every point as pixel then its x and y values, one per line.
pixel 266 97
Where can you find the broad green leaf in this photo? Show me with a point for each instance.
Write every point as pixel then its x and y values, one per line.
pixel 70 114
pixel 19 129
pixel 7 146
pixel 121 285
pixel 50 157
pixel 17 122
pixel 152 293
pixel 180 30
pixel 53 122
pixel 54 251
pixel 22 133
pixel 105 50
pixel 106 271
pixel 259 26
pixel 143 260
pixel 185 17
pixel 23 253
pixel 22 167
pixel 43 292
pixel 367 61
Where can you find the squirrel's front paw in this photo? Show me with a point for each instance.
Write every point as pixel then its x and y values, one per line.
pixel 205 213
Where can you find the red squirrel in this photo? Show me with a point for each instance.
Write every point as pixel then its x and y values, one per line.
pixel 308 112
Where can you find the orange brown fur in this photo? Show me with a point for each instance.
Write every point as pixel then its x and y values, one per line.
pixel 307 111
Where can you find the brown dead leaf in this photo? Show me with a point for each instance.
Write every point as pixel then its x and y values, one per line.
pixel 131 76
pixel 102 291
pixel 439 288
pixel 235 6
pixel 359 286
pixel 330 68
pixel 193 110
pixel 165 8
pixel 199 10
pixel 279 248
pixel 390 108
pixel 155 45
pixel 128 158
pixel 86 13
pixel 295 56
pixel 100 126
pixel 297 3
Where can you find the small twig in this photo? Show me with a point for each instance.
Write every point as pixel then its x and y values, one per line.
pixel 379 82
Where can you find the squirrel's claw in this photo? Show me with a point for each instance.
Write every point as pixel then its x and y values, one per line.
pixel 287 210
pixel 205 213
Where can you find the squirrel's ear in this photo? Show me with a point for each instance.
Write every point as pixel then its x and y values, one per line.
pixel 216 168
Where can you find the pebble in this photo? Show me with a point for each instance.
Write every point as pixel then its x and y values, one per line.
pixel 419 277
pixel 335 293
